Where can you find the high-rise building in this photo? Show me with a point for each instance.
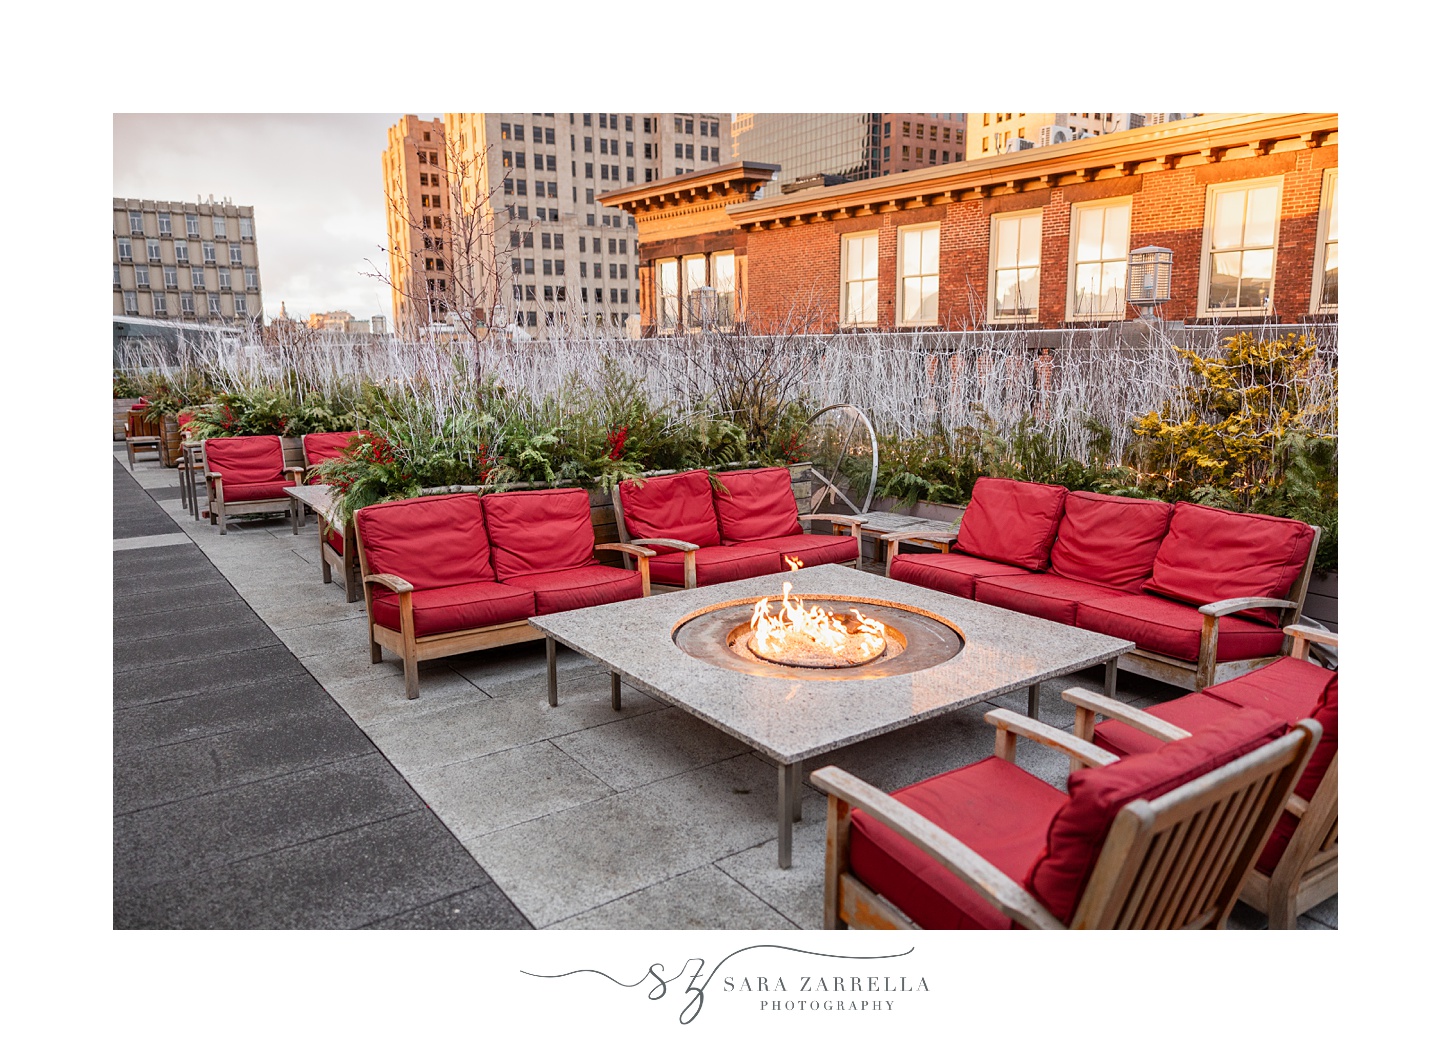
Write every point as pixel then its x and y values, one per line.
pixel 811 148
pixel 995 133
pixel 194 262
pixel 914 140
pixel 510 233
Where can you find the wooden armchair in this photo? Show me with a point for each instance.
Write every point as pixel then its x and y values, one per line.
pixel 247 475
pixel 1299 866
pixel 1162 841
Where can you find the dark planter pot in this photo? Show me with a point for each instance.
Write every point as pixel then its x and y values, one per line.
pixel 1322 599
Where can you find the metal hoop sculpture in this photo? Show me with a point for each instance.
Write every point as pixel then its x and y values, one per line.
pixel 832 474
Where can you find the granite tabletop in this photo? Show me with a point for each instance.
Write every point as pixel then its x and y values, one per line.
pixel 790 719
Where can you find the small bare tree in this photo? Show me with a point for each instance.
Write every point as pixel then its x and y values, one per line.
pixel 456 262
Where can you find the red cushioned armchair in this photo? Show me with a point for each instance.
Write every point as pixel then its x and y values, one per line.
pixel 246 475
pixel 738 525
pixel 1158 841
pixel 1299 866
pixel 444 575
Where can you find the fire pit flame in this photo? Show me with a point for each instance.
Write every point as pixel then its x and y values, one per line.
pixel 808 635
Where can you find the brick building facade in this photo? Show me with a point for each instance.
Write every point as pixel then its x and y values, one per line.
pixel 1038 238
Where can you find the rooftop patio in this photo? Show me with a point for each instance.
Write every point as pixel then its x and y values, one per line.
pixel 267 775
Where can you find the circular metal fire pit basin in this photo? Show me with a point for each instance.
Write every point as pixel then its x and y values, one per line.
pixel 720 635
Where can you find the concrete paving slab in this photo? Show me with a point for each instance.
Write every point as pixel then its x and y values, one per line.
pixel 170 539
pixel 346 880
pixel 414 742
pixel 484 794
pixel 164 723
pixel 187 836
pixel 210 673
pixel 703 899
pixel 564 864
pixel 794 893
pixel 484 908
pixel 185 617
pixel 645 749
pixel 162 650
pixel 166 600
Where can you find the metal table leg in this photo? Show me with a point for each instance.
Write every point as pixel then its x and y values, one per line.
pixel 549 664
pixel 788 809
pixel 614 691
pixel 1033 692
pixel 1110 678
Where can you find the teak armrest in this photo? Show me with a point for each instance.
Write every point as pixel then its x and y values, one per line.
pixel 1010 725
pixel 996 887
pixel 627 548
pixel 1090 703
pixel 855 524
pixel 662 542
pixel 394 583
pixel 1305 636
pixel 1224 608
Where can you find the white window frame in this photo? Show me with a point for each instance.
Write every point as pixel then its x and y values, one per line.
pixel 219 227
pixel 183 254
pixel 902 277
pixel 1073 314
pixel 133 221
pixel 863 237
pixel 1206 243
pixel 234 253
pixel 992 267
pixel 722 268
pixel 125 251
pixel 664 293
pixel 193 226
pixel 1329 192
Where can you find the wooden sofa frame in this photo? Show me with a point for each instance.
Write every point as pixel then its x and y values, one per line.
pixel 217 498
pixel 1308 871
pixel 839 522
pixel 413 649
pixel 1196 674
pixel 1176 862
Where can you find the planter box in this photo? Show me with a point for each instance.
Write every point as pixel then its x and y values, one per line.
pixel 1322 600
pixel 120 407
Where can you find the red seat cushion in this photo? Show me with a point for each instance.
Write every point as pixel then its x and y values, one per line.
pixel 431 541
pixel 1209 555
pixel 811 548
pixel 1011 522
pixel 442 610
pixel 1193 712
pixel 1110 540
pixel 326 445
pixel 1040 594
pixel 719 564
pixel 949 573
pixel 1158 625
pixel 1096 795
pixel 242 492
pixel 673 506
pixel 246 459
pixel 995 808
pixel 756 505
pixel 578 588
pixel 539 530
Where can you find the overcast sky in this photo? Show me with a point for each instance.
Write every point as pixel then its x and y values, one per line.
pixel 316 182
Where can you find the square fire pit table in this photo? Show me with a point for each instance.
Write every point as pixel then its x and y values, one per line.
pixel 944 653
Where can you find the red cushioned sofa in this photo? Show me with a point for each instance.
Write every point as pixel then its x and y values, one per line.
pixel 1203 593
pixel 990 846
pixel 734 525
pixel 459 573
pixel 246 475
pixel 1299 866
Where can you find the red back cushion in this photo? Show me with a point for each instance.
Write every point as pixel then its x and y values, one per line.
pixel 1110 540
pixel 1210 554
pixel 431 541
pixel 327 445
pixel 1096 795
pixel 539 530
pixel 1011 522
pixel 756 505
pixel 1327 712
pixel 247 459
pixel 672 506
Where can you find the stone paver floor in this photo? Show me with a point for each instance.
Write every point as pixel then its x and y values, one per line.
pixel 582 816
